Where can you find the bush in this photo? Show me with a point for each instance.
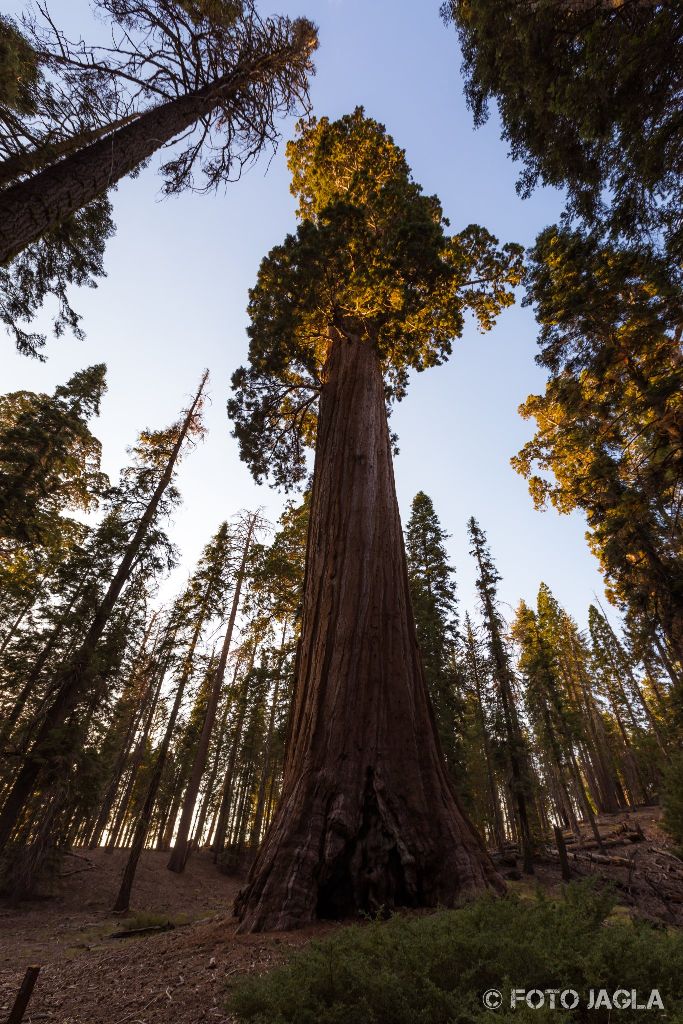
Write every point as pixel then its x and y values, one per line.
pixel 434 969
pixel 672 801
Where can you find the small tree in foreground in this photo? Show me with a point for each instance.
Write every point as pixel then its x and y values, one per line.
pixel 368 288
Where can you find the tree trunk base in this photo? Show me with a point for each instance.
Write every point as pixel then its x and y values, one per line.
pixel 324 859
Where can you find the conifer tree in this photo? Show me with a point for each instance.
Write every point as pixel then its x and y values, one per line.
pixel 516 751
pixel 160 452
pixel 210 74
pixel 217 75
pixel 549 709
pixel 434 601
pixel 575 81
pixel 477 675
pixel 610 670
pixel 273 607
pixel 203 599
pixel 40 115
pixel 181 848
pixel 609 423
pixel 19 72
pixel 49 461
pixel 368 287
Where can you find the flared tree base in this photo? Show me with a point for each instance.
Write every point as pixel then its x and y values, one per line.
pixel 330 855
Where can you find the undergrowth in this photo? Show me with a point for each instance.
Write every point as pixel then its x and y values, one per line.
pixel 434 969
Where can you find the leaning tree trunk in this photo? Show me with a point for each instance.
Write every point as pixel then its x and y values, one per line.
pixel 368 818
pixel 30 208
pixel 75 677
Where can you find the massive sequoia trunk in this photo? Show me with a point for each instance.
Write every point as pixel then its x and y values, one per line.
pixel 368 818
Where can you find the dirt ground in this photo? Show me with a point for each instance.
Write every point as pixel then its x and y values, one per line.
pixel 87 977
pixel 183 975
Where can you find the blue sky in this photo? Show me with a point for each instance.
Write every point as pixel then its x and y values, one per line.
pixel 175 296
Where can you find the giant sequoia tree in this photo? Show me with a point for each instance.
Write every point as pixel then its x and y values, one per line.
pixel 589 94
pixel 368 288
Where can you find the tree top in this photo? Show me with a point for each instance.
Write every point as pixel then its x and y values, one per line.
pixel 370 257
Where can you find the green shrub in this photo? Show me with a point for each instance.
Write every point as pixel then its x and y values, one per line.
pixel 434 969
pixel 672 800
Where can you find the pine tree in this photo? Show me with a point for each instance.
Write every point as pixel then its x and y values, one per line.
pixel 575 81
pixel 210 73
pixel 368 287
pixel 203 599
pixel 181 848
pixel 49 461
pixel 515 747
pixel 161 451
pixel 611 671
pixel 550 710
pixel 218 68
pixel 609 423
pixel 478 744
pixel 433 595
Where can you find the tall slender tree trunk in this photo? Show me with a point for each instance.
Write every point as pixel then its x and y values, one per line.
pixel 169 805
pixel 596 741
pixel 368 816
pixel 138 754
pixel 497 822
pixel 144 819
pixel 27 689
pixel 118 770
pixel 32 207
pixel 75 678
pixel 19 164
pixel 140 674
pixel 181 849
pixel 635 687
pixel 207 801
pixel 673 674
pixel 502 675
pixel 265 768
pixel 227 790
pixel 654 685
pixel 12 631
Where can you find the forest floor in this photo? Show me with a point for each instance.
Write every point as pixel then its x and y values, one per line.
pixel 183 975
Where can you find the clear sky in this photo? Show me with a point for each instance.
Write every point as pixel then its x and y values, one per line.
pixel 175 297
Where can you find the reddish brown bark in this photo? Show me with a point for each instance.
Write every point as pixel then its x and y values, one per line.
pixel 368 817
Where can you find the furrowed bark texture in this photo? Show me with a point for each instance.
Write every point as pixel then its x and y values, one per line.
pixel 368 818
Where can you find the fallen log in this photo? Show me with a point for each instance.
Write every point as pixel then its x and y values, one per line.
pixel 601 858
pixel 150 930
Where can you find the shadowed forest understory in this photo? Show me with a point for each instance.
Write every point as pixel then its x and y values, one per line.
pixel 313 739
